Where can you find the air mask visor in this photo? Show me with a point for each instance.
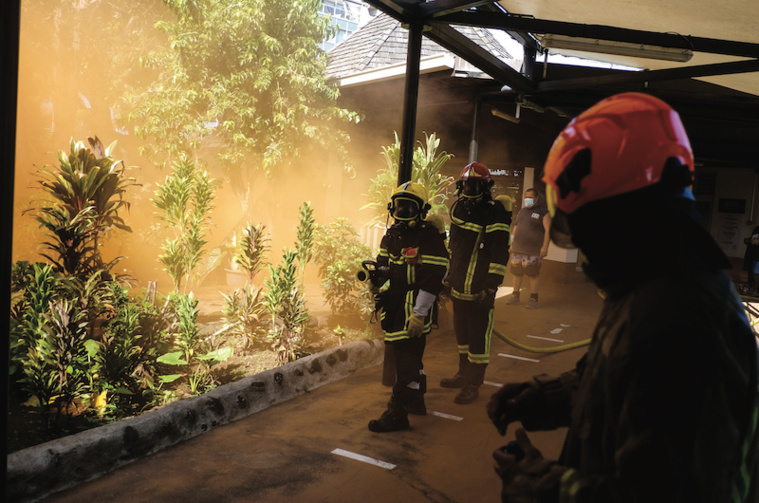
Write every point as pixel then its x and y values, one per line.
pixel 405 208
pixel 472 188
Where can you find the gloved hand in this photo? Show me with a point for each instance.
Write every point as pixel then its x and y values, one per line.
pixel 487 296
pixel 503 407
pixel 530 480
pixel 415 325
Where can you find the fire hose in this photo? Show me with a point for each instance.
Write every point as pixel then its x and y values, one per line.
pixel 549 349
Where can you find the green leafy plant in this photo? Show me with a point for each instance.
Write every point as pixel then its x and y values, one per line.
pixel 338 252
pixel 243 312
pixel 185 200
pixel 305 236
pixel 87 192
pixel 252 249
pixel 426 165
pixel 192 352
pixel 287 307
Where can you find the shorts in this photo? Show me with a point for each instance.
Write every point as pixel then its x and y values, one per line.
pixel 525 264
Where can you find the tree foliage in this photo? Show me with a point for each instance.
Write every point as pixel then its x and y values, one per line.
pixel 244 78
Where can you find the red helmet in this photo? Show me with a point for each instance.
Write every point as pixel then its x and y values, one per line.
pixel 618 145
pixel 474 180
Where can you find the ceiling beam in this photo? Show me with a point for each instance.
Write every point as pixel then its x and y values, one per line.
pixel 531 25
pixel 443 7
pixel 687 72
pixel 451 39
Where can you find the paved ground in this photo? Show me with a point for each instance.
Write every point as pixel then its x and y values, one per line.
pixel 306 449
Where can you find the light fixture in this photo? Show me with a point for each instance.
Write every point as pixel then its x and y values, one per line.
pixel 554 41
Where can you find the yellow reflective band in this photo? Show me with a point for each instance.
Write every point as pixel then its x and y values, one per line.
pixel 463 349
pixel 462 296
pixel 497 269
pixel 434 260
pixel 498 227
pixel 551 200
pixel 467 225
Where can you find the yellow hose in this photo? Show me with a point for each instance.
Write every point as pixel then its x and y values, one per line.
pixel 550 349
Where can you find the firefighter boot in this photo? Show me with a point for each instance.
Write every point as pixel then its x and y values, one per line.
pixel 471 390
pixel 395 418
pixel 458 380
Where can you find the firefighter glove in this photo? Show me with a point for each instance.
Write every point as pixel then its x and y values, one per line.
pixel 531 479
pixel 415 325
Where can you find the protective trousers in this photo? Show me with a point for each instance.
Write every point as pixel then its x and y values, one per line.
pixel 411 382
pixel 473 324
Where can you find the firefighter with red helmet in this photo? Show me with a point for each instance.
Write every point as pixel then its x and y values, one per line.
pixel 414 259
pixel 663 406
pixel 479 245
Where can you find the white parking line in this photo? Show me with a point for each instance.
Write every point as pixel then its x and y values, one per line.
pixel 545 338
pixel 365 459
pixel 519 358
pixel 446 416
pixel 491 383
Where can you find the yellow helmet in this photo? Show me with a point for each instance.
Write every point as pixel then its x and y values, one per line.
pixel 408 202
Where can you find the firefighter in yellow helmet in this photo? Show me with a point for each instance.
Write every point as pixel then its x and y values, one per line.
pixel 413 259
pixel 479 245
pixel 663 406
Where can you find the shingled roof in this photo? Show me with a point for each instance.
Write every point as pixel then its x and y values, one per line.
pixel 383 42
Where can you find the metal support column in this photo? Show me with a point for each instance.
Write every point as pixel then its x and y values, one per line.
pixel 411 96
pixel 474 143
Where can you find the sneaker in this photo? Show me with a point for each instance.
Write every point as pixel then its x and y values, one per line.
pixel 468 394
pixel 533 304
pixel 389 421
pixel 456 381
pixel 513 299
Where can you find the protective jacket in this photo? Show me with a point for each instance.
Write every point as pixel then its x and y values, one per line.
pixel 662 408
pixel 479 247
pixel 417 259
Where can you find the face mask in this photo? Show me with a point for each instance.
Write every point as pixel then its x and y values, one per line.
pixel 529 202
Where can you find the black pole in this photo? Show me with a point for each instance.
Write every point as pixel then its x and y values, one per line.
pixel 411 96
pixel 11 11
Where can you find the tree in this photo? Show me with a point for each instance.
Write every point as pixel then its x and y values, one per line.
pixel 243 78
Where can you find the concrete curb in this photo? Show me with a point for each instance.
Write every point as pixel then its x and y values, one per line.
pixel 41 470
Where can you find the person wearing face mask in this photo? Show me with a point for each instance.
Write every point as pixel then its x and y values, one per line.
pixel 531 235
pixel 479 241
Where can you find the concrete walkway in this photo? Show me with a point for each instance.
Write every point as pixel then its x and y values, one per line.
pixel 310 442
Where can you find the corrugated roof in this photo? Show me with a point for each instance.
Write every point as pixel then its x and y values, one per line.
pixel 383 42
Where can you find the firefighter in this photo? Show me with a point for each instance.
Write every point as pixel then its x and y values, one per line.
pixel 479 245
pixel 663 406
pixel 414 254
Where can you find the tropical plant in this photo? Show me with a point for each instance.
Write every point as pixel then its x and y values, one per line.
pixel 87 192
pixel 252 250
pixel 305 236
pixel 243 311
pixel 338 252
pixel 245 76
pixel 185 200
pixel 426 166
pixel 287 307
pixel 192 353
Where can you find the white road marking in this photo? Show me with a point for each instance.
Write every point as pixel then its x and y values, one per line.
pixel 446 416
pixel 556 330
pixel 545 338
pixel 491 383
pixel 365 459
pixel 519 358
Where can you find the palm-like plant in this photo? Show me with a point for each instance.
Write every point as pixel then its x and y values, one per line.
pixel 426 166
pixel 87 192
pixel 252 249
pixel 287 306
